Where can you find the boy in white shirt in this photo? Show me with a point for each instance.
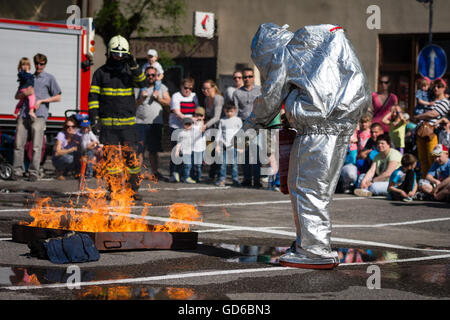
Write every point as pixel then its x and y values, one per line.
pixel 199 142
pixel 228 127
pixel 184 148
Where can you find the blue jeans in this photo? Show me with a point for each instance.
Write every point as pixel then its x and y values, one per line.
pixel 379 188
pixel 192 160
pixel 90 154
pixel 252 170
pixel 197 161
pixel 67 162
pixel 230 157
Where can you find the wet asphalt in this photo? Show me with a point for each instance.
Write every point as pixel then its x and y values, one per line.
pixel 243 232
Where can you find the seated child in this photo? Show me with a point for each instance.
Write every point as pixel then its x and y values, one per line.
pixel 402 183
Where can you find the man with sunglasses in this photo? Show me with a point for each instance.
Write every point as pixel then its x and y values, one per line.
pixel 47 91
pixel 149 120
pixel 112 108
pixel 238 82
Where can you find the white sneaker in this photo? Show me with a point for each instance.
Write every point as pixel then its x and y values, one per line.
pixel 190 180
pixel 363 193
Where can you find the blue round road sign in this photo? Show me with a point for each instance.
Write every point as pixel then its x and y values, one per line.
pixel 432 62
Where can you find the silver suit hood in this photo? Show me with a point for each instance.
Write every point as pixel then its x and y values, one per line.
pixel 316 72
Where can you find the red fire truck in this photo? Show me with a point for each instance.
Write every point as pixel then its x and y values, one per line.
pixel 69 50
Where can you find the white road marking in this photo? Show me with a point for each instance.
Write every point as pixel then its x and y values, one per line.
pixel 279 232
pixel 5 239
pixel 380 225
pixel 443 256
pixel 148 279
pixel 203 274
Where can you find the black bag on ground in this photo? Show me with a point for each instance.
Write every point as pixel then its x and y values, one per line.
pixel 72 248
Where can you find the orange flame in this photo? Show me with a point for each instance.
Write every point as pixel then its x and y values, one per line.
pixel 96 215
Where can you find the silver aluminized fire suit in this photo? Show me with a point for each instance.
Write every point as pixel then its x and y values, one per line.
pixel 316 72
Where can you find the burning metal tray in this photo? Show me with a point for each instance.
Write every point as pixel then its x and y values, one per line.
pixel 112 241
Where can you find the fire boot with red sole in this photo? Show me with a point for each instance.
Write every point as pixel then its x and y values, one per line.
pixel 299 258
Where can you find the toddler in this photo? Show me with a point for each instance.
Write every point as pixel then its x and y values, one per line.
pixel 152 55
pixel 26 80
pixel 90 146
pixel 397 127
pixel 199 142
pixel 364 131
pixel 423 102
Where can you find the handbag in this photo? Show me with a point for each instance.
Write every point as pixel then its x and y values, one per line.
pixel 425 131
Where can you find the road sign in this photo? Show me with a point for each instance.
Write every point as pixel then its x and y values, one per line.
pixel 204 24
pixel 432 62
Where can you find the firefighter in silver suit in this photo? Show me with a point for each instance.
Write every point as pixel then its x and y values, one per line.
pixel 317 74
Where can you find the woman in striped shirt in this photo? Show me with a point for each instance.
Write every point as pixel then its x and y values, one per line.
pixel 440 109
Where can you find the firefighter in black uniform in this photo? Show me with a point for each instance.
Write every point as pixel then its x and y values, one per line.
pixel 112 111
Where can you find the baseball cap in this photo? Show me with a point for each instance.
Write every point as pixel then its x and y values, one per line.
pixel 85 123
pixel 152 52
pixel 437 151
pixel 200 110
pixel 187 120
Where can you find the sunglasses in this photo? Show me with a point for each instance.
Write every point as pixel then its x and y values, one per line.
pixel 40 63
pixel 188 88
pixel 439 86
pixel 188 124
pixel 151 74
pixel 71 126
pixel 384 82
pixel 247 77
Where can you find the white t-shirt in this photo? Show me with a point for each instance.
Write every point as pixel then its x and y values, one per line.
pixel 177 102
pixel 199 140
pixel 228 127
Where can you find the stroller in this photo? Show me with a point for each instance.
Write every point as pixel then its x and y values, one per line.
pixel 6 156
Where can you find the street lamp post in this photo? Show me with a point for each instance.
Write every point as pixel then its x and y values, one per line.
pixel 430 34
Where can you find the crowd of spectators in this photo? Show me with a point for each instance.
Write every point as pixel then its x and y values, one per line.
pixel 390 153
pixel 400 157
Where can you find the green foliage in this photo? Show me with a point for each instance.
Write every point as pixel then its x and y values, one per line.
pixel 165 59
pixel 138 15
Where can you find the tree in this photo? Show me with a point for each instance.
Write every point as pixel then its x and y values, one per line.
pixel 137 15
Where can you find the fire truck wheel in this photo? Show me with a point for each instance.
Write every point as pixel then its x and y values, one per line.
pixel 6 171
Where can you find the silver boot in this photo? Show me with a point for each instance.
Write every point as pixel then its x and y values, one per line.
pixel 299 258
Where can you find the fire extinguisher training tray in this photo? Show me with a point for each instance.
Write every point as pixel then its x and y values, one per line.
pixel 114 241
